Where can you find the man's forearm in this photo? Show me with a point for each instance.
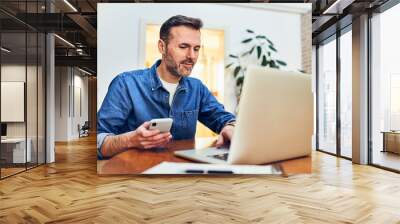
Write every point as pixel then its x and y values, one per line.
pixel 114 144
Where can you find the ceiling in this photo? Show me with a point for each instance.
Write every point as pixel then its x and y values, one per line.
pixel 76 21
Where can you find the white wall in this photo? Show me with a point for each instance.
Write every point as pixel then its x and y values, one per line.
pixel 17 72
pixel 33 126
pixel 82 83
pixel 120 34
pixel 66 121
pixel 61 103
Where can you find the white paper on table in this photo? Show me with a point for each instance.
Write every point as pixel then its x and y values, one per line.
pixel 180 168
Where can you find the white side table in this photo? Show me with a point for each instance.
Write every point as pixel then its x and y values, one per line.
pixel 18 145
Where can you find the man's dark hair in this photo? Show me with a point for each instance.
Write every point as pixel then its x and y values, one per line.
pixel 178 20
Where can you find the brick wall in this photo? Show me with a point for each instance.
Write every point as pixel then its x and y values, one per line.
pixel 306 37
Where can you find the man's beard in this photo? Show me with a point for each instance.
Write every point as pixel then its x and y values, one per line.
pixel 172 67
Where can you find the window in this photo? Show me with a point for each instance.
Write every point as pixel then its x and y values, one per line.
pixel 385 89
pixel 23 76
pixel 327 97
pixel 346 94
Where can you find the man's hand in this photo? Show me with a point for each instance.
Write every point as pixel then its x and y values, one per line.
pixel 146 139
pixel 225 135
pixel 141 138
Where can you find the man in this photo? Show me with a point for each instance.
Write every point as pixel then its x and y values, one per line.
pixel 164 90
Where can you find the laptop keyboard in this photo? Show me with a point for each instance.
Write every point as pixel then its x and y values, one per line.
pixel 223 156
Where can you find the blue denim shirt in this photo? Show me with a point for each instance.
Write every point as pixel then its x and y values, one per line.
pixel 137 96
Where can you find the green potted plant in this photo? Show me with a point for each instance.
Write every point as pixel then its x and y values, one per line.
pixel 258 50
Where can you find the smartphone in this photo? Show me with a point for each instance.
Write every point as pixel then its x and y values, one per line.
pixel 161 124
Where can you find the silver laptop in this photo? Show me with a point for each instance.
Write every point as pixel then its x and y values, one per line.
pixel 275 121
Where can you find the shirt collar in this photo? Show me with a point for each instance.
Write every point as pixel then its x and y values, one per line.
pixel 156 82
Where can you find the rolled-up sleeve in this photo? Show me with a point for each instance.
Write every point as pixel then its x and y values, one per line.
pixel 100 140
pixel 113 112
pixel 213 114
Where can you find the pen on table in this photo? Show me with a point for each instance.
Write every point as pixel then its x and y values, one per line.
pixel 219 172
pixel 208 171
pixel 194 171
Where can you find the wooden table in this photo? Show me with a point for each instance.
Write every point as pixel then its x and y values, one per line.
pixel 135 161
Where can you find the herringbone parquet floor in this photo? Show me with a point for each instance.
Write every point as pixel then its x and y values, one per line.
pixel 70 191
